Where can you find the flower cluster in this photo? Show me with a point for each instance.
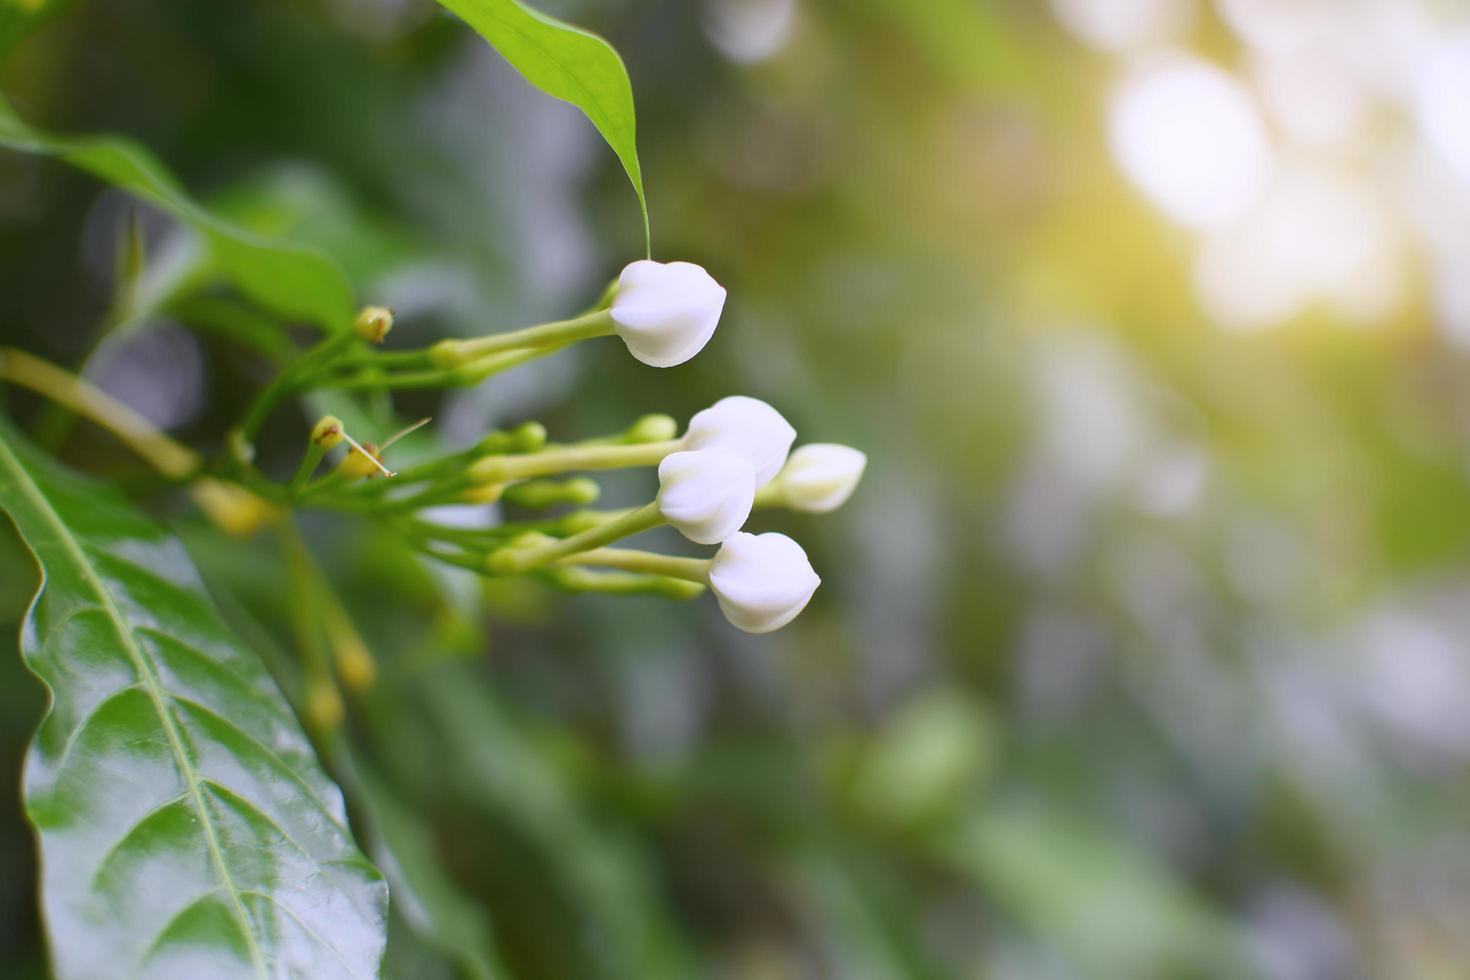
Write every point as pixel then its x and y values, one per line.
pixel 733 458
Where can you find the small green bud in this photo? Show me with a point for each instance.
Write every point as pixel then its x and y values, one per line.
pixel 506 560
pixel 537 494
pixel 496 441
pixel 529 436
pixel 652 428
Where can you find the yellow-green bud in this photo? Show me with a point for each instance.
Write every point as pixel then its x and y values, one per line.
pixel 327 433
pixel 356 465
pixel 234 510
pixel 529 436
pixel 549 493
pixel 373 323
pixel 503 560
pixel 355 665
pixel 323 705
pixel 652 428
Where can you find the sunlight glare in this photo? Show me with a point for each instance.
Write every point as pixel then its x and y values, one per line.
pixel 1188 135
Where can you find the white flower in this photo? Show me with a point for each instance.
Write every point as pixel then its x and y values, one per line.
pixel 666 311
pixel 820 476
pixel 761 580
pixel 706 493
pixel 747 426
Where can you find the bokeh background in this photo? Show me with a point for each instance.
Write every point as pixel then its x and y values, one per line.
pixel 1144 648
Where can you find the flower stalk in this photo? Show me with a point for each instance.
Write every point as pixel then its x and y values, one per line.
pixel 508 561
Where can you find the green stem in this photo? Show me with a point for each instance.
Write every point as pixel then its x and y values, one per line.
pixel 770 495
pixel 170 458
pixel 309 463
pixel 690 569
pixel 449 353
pixel 571 578
pixel 512 560
pixel 290 379
pixel 503 469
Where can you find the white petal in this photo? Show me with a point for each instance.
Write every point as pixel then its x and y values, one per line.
pixel 762 580
pixel 666 311
pixel 747 426
pixel 707 493
pixel 820 476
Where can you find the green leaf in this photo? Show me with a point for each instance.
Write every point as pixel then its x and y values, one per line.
pixel 20 17
pixel 289 279
pixel 567 63
pixel 186 829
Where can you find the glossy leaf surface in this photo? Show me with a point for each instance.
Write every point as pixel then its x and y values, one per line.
pixel 186 829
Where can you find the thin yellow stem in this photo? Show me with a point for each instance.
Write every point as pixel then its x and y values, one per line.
pixel 690 569
pixel 170 458
pixel 503 469
pixel 512 560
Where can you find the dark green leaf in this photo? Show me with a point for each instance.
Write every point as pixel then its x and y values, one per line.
pixel 567 63
pixel 431 904
pixel 186 829
pixel 291 280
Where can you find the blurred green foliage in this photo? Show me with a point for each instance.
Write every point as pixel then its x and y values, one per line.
pixel 1140 653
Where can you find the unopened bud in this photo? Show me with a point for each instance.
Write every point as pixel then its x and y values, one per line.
pixel 537 494
pixel 747 426
pixel 323 704
pixel 666 311
pixel 529 436
pixel 761 580
pixel 503 560
pixel 819 477
pixel 327 433
pixel 355 664
pixel 652 428
pixel 373 323
pixel 358 465
pixel 234 510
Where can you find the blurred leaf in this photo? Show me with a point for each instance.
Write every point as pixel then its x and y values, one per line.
pixel 427 899
pixel 185 826
pixel 926 759
pixel 19 17
pixel 545 855
pixel 291 280
pixel 1111 909
pixel 567 63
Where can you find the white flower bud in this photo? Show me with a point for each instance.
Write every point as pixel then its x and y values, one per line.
pixel 747 426
pixel 761 580
pixel 820 476
pixel 666 311
pixel 707 493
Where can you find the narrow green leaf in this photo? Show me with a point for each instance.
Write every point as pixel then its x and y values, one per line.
pixel 294 281
pixel 567 63
pixel 186 829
